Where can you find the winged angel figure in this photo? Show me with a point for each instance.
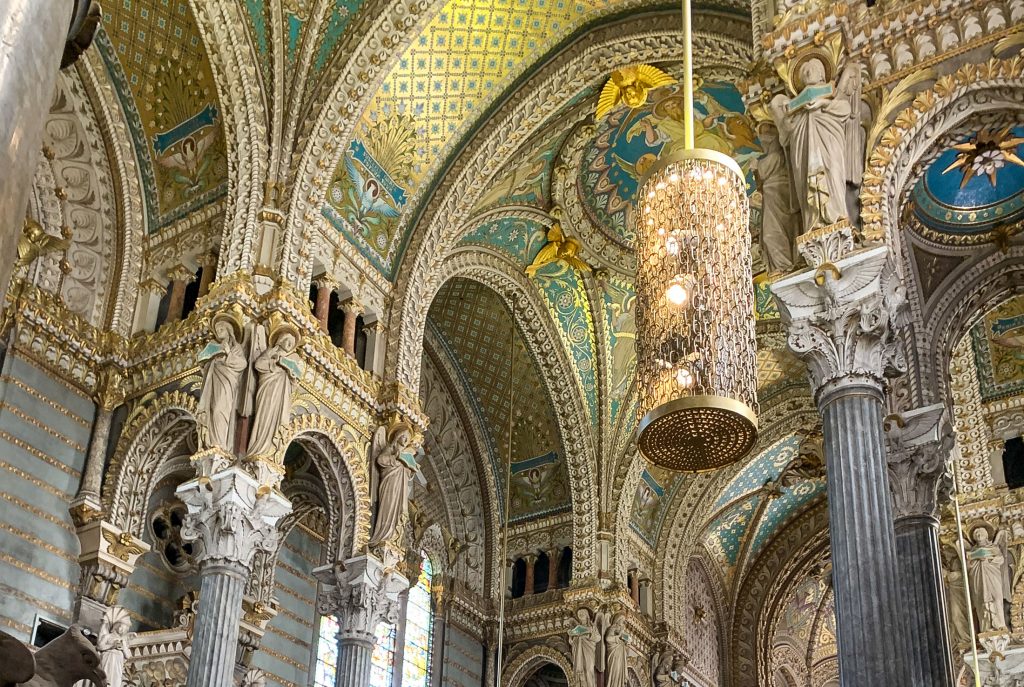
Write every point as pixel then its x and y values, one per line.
pixel 366 197
pixel 630 85
pixel 190 162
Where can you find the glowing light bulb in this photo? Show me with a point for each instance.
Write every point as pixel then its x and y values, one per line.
pixel 684 378
pixel 677 293
pixel 672 245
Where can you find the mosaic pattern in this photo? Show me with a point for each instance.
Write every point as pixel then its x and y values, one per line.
pixel 766 466
pixel 778 369
pixel 998 341
pixel 797 619
pixel 650 503
pixel 629 141
pixel 943 205
pixel 163 78
pixel 620 314
pixel 473 325
pixel 726 534
pixel 765 307
pixel 528 183
pixel 518 238
pixel 782 509
pixel 568 303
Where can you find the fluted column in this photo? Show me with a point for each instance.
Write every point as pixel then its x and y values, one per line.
pixel 919 443
pixel 352 309
pixel 840 321
pixel 362 593
pixel 232 517
pixel 180 278
pixel 32 35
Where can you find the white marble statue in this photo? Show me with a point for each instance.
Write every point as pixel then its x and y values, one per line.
pixel 224 361
pixel 616 642
pixel 395 468
pixel 278 370
pixel 780 216
pixel 584 639
pixel 988 572
pixel 956 603
pixel 661 669
pixel 112 643
pixel 820 129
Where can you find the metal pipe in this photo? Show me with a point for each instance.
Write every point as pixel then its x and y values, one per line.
pixel 967 582
pixel 687 78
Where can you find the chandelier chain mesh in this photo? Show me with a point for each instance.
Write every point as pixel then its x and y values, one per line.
pixel 696 346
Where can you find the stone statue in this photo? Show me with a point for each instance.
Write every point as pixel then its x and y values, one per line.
pixel 780 219
pixel 61 663
pixel 661 670
pixel 956 602
pixel 396 468
pixel 988 572
pixel 615 641
pixel 820 128
pixel 112 644
pixel 225 362
pixel 278 370
pixel 584 639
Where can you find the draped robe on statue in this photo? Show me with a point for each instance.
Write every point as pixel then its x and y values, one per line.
pixel 988 575
pixel 273 399
pixel 815 136
pixel 220 389
pixel 584 639
pixel 393 489
pixel 615 646
pixel 779 221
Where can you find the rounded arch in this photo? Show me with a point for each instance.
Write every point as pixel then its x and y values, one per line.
pixel 530 314
pixel 519 670
pixel 343 470
pixel 153 435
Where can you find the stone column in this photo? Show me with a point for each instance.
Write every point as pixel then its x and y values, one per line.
pixel 919 443
pixel 362 593
pixel 634 586
pixel 32 35
pixel 352 309
pixel 374 347
pixel 531 561
pixel 209 265
pixel 840 319
pixel 322 309
pixel 553 569
pixel 180 278
pixel 232 517
pixel 398 660
pixel 646 592
pixel 109 396
pixel 510 573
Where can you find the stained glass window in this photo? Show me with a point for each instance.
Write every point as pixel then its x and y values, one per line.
pixel 419 630
pixel 382 671
pixel 327 652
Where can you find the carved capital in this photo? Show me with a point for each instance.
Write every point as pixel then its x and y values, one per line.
pixel 919 443
pixel 827 245
pixel 107 560
pixel 842 319
pixel 362 592
pixel 231 516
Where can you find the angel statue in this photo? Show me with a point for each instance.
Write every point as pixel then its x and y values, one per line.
pixel 630 85
pixel 585 639
pixel 662 668
pixel 278 369
pixel 780 214
pixel 112 644
pixel 224 361
pixel 558 248
pixel 396 466
pixel 821 131
pixel 988 571
pixel 616 641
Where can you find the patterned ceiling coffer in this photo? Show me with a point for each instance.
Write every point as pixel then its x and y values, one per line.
pixel 972 188
pixel 781 510
pixel 474 326
pixel 764 467
pixel 998 341
pixel 162 74
pixel 629 141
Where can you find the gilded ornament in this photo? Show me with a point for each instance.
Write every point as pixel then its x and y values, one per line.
pixel 559 248
pixel 630 86
pixel 986 154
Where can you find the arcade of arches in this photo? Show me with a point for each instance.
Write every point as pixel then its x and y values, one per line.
pixel 293 394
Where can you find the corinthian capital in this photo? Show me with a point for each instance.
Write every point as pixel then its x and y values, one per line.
pixel 362 592
pixel 842 319
pixel 918 445
pixel 231 516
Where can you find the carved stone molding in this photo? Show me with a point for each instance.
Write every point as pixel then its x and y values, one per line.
pixel 841 319
pixel 231 517
pixel 919 443
pixel 363 593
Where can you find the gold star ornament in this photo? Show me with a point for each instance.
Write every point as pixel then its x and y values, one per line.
pixel 630 86
pixel 986 154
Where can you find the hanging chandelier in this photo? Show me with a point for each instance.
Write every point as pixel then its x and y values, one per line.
pixel 696 349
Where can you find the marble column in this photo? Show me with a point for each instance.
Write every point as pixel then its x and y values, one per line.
pixel 353 309
pixel 634 586
pixel 32 35
pixel 109 396
pixel 362 593
pixel 531 562
pixel 322 308
pixel 180 278
pixel 919 443
pixel 232 517
pixel 553 569
pixel 841 321
pixel 209 271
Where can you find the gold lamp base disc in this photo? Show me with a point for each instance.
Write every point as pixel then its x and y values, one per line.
pixel 697 433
